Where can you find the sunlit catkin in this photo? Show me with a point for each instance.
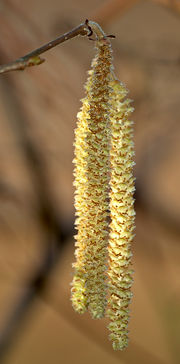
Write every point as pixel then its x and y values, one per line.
pixel 97 192
pixel 122 216
pixel 78 291
pixel 92 183
pixel 104 204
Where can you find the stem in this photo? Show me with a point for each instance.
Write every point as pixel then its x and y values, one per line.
pixel 33 58
pixel 95 28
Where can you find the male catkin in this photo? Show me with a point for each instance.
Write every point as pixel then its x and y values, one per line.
pixel 104 201
pixel 92 183
pixel 122 215
pixel 79 300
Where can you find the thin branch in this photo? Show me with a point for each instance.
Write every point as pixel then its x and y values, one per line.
pixel 33 58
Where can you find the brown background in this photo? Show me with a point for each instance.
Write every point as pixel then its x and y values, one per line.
pixel 46 100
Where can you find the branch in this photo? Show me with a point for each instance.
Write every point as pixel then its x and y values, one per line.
pixel 33 58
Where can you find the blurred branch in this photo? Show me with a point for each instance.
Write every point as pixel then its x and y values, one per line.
pixel 46 212
pixel 32 288
pixel 106 13
pixel 34 161
pixel 171 4
pixel 54 231
pixel 33 58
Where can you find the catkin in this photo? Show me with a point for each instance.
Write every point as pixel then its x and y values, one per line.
pixel 98 180
pixel 92 183
pixel 78 291
pixel 122 216
pixel 104 203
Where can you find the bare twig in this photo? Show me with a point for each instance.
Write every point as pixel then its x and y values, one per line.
pixel 33 58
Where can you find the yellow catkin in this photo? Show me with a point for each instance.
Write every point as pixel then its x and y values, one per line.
pixel 78 291
pixel 91 182
pixel 122 216
pixel 96 195
pixel 104 201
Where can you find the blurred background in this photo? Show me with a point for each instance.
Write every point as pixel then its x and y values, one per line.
pixel 38 110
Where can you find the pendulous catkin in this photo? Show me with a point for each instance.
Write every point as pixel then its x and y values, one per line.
pixel 122 216
pixel 78 291
pixel 92 183
pixel 104 201
pixel 96 195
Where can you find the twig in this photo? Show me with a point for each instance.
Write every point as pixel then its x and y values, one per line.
pixel 33 58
